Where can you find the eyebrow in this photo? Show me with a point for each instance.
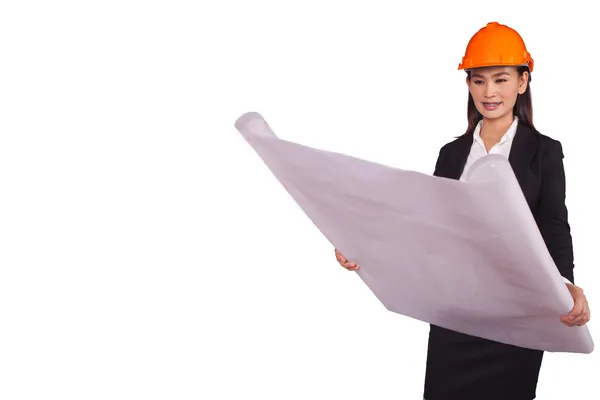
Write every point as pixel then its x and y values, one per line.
pixel 493 76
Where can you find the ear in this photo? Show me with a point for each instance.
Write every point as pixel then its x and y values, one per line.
pixel 467 80
pixel 523 81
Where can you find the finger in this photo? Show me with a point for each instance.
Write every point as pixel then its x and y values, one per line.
pixel 589 313
pixel 574 319
pixel 586 316
pixel 346 265
pixel 566 321
pixel 577 308
pixel 566 318
pixel 579 319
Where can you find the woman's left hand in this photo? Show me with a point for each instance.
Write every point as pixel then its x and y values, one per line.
pixel 580 314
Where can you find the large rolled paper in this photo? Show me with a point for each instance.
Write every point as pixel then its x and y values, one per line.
pixel 466 256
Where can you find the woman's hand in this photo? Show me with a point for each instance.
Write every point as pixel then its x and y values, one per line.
pixel 344 262
pixel 580 314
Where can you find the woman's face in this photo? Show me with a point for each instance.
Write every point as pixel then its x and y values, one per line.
pixel 495 90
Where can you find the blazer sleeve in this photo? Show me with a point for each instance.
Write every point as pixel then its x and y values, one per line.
pixel 552 214
pixel 439 163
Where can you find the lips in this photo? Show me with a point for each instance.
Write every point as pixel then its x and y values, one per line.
pixel 491 106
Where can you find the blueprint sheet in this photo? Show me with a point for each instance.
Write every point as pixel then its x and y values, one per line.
pixel 429 247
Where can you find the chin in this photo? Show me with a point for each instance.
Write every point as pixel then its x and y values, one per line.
pixel 493 114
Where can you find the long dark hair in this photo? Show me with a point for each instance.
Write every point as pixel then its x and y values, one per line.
pixel 523 107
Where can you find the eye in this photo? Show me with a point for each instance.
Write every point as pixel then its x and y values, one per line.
pixel 478 81
pixel 501 80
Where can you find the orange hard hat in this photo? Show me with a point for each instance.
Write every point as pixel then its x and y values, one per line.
pixel 496 45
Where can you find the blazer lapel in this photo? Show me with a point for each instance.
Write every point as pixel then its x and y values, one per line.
pixel 521 154
pixel 456 163
pixel 522 151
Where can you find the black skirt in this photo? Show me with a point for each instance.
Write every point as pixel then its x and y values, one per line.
pixel 464 367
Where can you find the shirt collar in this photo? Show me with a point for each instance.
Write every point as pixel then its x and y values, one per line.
pixel 510 133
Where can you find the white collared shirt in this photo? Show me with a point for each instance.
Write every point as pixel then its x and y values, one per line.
pixel 478 149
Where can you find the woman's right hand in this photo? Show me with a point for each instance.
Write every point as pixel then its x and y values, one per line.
pixel 344 262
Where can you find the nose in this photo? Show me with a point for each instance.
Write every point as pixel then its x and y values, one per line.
pixel 490 91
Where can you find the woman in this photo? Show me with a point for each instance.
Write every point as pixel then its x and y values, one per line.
pixel 499 68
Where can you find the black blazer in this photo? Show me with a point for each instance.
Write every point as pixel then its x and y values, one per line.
pixel 537 162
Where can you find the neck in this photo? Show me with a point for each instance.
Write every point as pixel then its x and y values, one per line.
pixel 497 127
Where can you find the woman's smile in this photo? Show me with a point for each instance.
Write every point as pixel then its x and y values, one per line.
pixel 492 106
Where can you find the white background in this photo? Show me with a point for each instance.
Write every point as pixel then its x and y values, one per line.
pixel 146 252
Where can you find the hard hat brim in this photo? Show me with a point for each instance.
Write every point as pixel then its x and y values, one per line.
pixel 496 65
